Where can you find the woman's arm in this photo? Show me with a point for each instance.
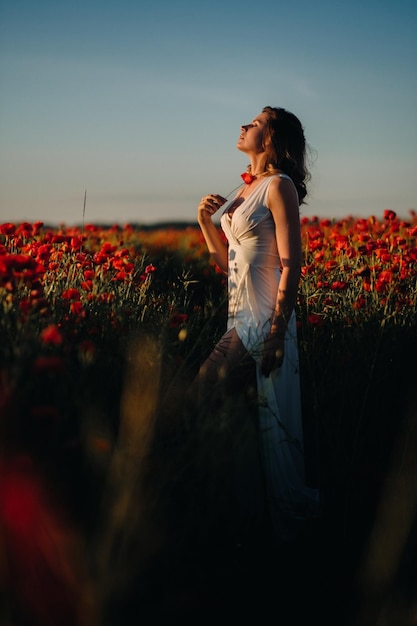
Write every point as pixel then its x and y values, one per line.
pixel 216 246
pixel 283 204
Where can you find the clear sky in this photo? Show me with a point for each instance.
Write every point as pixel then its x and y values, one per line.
pixel 141 103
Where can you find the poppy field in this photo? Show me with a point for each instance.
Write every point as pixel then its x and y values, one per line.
pixel 101 331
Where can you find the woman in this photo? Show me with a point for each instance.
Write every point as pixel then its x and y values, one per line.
pixel 262 259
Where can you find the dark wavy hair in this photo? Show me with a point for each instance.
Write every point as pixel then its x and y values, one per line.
pixel 285 148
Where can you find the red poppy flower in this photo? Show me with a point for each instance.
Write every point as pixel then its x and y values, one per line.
pixel 316 244
pixel 383 255
pixel 342 242
pixel 247 178
pixel 350 252
pixel 71 294
pixel 87 285
pixel 100 258
pixel 412 253
pixel 120 276
pixel 359 303
pixel 51 335
pixel 76 243
pixel 108 248
pixel 44 252
pixel 385 276
pixel 25 229
pixel 58 238
pixel 76 308
pixel 389 215
pixel 7 229
pixel 124 252
pixel 338 285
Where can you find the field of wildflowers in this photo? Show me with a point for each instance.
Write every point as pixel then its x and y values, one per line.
pixel 101 328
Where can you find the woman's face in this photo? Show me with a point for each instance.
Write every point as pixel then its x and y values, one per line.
pixel 251 135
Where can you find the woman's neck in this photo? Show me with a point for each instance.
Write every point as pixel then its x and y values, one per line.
pixel 256 166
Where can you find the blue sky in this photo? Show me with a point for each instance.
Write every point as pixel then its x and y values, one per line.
pixel 142 105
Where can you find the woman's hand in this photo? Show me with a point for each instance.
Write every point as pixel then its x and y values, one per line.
pixel 208 207
pixel 273 353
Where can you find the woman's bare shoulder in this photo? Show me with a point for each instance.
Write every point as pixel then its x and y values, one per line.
pixel 282 189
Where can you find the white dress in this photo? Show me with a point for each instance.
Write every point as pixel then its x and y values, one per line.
pixel 253 279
